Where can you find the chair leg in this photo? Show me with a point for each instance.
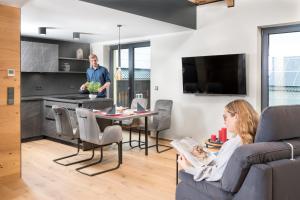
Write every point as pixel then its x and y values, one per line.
pixel 162 145
pixel 130 140
pixel 120 152
pixel 140 139
pixel 143 143
pixel 72 163
pixel 130 137
pixel 104 171
pixel 157 145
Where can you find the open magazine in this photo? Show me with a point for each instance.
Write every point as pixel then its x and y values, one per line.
pixel 185 146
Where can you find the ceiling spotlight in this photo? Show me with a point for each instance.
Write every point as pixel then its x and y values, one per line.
pixel 76 36
pixel 42 31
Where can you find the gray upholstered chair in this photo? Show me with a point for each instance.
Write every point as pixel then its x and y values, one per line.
pixel 130 123
pixel 159 122
pixel 90 132
pixel 64 129
pixel 268 169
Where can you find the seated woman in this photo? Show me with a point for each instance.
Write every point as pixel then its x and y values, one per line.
pixel 239 118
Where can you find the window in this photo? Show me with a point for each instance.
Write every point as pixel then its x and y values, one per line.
pixel 281 66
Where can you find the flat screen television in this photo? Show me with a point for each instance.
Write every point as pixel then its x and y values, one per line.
pixel 215 75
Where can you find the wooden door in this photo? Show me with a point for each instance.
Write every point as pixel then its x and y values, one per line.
pixel 10 164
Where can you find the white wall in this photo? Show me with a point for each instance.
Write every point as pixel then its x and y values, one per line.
pixel 221 30
pixel 102 52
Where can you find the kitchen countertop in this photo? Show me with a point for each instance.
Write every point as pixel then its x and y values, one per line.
pixel 60 98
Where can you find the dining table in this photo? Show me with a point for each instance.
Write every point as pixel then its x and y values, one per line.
pixel 127 116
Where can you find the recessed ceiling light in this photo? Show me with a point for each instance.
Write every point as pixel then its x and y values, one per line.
pixel 42 31
pixel 76 36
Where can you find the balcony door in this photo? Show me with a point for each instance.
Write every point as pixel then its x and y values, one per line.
pixel 135 73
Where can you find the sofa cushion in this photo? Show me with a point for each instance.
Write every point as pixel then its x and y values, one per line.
pixel 278 123
pixel 205 189
pixel 256 153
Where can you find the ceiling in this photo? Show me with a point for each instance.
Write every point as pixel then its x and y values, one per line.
pixel 179 12
pixel 14 3
pixel 63 17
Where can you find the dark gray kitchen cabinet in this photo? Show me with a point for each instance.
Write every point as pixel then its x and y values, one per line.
pixel 39 57
pixel 31 118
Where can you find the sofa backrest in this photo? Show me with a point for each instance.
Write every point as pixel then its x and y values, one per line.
pixel 277 125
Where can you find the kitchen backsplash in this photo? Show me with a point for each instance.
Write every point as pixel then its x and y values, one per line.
pixel 40 84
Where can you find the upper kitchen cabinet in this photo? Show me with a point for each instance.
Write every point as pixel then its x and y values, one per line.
pixel 39 57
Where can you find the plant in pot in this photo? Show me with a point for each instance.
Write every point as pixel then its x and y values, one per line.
pixel 93 88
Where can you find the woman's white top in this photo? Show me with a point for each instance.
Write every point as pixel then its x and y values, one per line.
pixel 214 170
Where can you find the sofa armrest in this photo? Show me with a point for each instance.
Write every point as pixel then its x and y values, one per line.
pixel 257 185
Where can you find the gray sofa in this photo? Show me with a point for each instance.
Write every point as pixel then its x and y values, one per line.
pixel 259 171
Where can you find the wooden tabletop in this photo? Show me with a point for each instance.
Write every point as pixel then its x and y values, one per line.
pixel 122 116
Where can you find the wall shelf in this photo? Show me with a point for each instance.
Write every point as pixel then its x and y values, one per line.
pixel 66 58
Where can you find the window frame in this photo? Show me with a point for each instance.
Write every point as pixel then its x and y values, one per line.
pixel 266 32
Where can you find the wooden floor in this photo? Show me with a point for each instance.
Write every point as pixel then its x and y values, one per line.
pixel 139 177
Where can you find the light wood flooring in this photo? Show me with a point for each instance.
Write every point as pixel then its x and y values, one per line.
pixel 139 177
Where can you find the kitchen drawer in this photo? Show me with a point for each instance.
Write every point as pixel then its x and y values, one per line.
pixel 70 106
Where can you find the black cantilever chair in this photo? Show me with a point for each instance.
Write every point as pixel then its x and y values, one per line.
pixel 64 129
pixel 159 123
pixel 90 132
pixel 133 123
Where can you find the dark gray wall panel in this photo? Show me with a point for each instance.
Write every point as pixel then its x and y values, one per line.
pixel 39 84
pixel 179 12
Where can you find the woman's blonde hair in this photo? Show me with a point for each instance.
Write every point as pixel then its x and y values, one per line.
pixel 247 119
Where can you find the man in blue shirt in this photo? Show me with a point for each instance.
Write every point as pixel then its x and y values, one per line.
pixel 97 73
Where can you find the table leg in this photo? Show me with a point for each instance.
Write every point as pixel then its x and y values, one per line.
pixel 121 145
pixel 146 136
pixel 176 169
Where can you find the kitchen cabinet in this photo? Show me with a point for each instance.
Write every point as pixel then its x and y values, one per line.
pixel 71 103
pixel 38 117
pixel 39 57
pixel 31 118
